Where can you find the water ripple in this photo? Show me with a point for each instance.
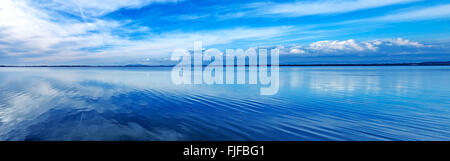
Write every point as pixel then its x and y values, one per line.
pixel 313 103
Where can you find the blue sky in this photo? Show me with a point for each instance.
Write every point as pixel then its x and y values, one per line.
pixel 112 32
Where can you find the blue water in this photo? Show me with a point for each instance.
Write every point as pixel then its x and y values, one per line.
pixel 313 103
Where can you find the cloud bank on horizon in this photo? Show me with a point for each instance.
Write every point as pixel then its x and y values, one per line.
pixel 111 32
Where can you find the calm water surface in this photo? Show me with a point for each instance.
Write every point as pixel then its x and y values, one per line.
pixel 313 103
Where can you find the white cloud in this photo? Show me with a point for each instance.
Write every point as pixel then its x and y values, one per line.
pixel 161 45
pixel 37 29
pixel 296 51
pixel 47 35
pixel 37 33
pixel 331 46
pixel 371 46
pixel 353 46
pixel 403 42
pixel 303 8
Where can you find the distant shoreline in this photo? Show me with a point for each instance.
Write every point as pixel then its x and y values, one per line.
pixel 292 65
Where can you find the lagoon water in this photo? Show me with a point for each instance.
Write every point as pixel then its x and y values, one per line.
pixel 142 103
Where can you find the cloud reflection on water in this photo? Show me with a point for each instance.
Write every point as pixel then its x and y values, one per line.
pixel 314 103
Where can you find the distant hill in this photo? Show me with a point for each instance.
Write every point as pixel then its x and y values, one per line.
pixel 376 64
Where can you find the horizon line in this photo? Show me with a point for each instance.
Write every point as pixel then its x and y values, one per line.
pixel 442 63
